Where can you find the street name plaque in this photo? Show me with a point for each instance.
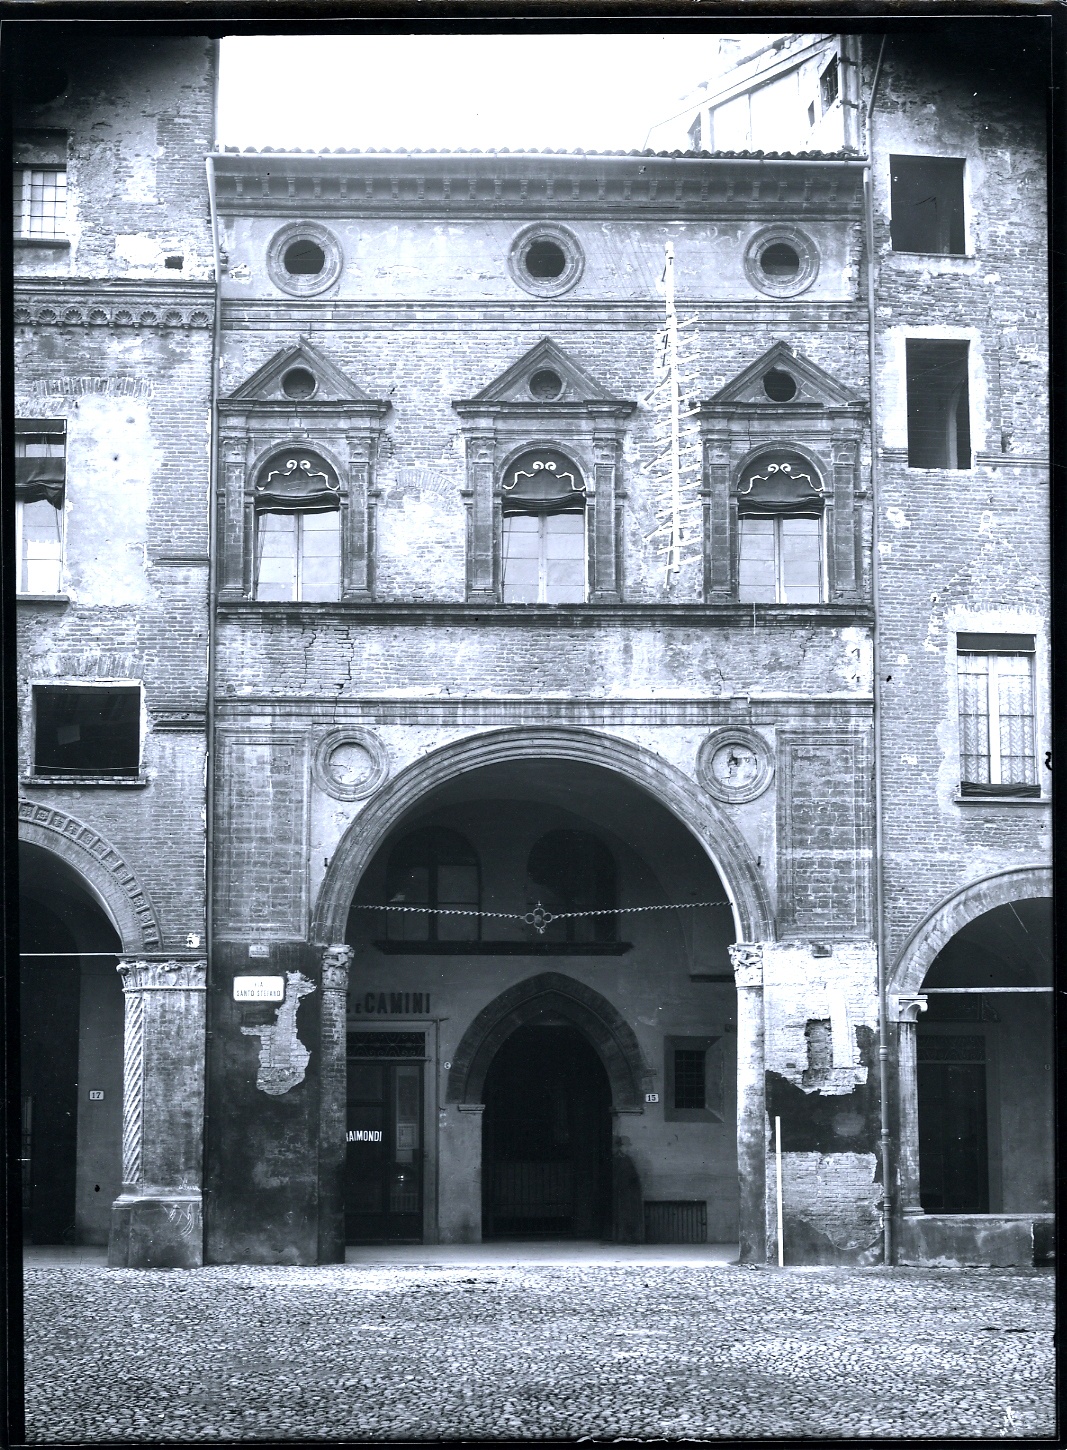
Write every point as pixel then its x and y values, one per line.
pixel 259 989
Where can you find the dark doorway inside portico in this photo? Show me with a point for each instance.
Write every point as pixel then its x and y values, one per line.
pixel 547 1138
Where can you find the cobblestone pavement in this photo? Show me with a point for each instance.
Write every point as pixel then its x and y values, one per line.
pixel 535 1351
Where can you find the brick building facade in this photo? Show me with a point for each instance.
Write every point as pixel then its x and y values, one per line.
pixel 452 683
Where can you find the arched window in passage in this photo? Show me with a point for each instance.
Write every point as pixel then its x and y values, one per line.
pixel 573 871
pixel 298 535
pixel 780 533
pixel 435 868
pixel 542 546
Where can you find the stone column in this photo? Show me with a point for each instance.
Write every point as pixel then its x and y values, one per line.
pixel 356 545
pixel 157 1222
pixel 460 1201
pixel 907 1016
pixel 336 961
pixel 481 449
pixel 603 584
pixel 747 961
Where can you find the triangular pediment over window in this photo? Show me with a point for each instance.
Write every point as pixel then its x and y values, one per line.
pixel 299 374
pixel 784 378
pixel 546 376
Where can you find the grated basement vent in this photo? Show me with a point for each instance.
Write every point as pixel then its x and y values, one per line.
pixel 676 1222
pixel 387 1044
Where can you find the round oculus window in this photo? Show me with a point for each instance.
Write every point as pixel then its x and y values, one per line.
pixel 779 385
pixel 298 383
pixel 546 259
pixel 546 385
pixel 304 259
pixel 781 261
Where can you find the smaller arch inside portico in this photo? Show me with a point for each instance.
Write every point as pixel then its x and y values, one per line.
pixel 975 1053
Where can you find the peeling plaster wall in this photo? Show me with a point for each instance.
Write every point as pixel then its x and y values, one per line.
pixel 961 549
pixel 139 116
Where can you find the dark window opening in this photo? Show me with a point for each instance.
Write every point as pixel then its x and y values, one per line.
pixel 174 263
pixel 811 114
pixel 545 259
pixel 304 258
pixel 926 200
pixel 298 383
pixel 87 731
pixel 828 85
pixel 939 409
pixel 779 386
pixel 571 871
pixel 689 1086
pixel 436 869
pixel 779 260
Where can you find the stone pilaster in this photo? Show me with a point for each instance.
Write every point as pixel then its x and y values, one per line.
pixel 336 961
pixel 157 1222
pixel 481 586
pixel 747 961
pixel 907 1009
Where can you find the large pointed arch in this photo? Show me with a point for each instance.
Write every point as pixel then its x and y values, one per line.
pixel 722 841
pixel 547 998
pixel 936 930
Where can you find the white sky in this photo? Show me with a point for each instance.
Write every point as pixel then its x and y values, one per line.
pixel 596 91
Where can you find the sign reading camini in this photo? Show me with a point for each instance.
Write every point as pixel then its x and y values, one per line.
pixel 259 989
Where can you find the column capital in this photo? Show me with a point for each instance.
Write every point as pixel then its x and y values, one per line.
pixel 336 960
pixel 746 958
pixel 906 1007
pixel 156 976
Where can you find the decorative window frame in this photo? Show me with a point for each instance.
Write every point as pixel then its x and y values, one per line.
pixel 346 434
pixel 802 244
pixel 591 434
pixel 298 285
pixel 828 432
pixel 568 243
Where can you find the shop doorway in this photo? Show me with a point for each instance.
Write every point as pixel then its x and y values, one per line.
pixel 384 1138
pixel 546 1147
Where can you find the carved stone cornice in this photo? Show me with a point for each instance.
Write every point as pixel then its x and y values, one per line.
pixel 99 303
pixel 533 184
pixel 171 976
pixel 746 958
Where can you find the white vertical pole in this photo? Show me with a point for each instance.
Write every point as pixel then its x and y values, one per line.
pixel 778 1174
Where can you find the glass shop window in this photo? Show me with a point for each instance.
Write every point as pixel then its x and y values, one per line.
pixel 542 549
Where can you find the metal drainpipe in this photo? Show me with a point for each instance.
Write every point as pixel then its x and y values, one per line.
pixel 876 664
pixel 209 761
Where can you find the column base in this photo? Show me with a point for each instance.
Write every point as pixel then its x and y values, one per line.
pixel 157 1231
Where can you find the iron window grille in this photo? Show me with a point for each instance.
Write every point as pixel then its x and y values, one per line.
pixel 829 85
pixel 997 718
pixel 40 483
pixel 40 202
pixel 387 1044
